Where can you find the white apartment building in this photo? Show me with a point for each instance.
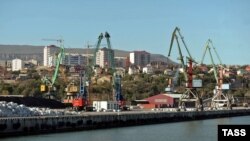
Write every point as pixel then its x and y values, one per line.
pixel 105 57
pixel 49 55
pixel 139 58
pixel 17 65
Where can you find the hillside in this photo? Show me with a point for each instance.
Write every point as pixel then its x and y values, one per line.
pixel 26 52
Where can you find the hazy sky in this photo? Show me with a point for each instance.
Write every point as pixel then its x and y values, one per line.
pixel 132 24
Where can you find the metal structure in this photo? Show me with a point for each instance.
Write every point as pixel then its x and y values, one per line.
pixel 48 84
pixel 111 57
pixel 81 100
pixel 190 95
pixel 71 91
pixel 172 82
pixel 118 90
pixel 219 99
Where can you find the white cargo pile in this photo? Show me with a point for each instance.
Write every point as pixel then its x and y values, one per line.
pixel 11 109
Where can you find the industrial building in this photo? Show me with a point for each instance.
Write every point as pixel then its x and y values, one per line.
pixel 160 101
pixel 139 58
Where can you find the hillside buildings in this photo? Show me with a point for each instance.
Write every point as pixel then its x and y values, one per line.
pixel 75 59
pixel 17 64
pixel 139 58
pixel 105 58
pixel 121 62
pixel 49 55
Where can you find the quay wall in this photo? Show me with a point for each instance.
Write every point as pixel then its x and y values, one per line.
pixel 51 124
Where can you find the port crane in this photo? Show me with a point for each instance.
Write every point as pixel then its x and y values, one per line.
pixel 98 44
pixel 190 95
pixel 118 90
pixel 47 85
pixel 80 102
pixel 219 99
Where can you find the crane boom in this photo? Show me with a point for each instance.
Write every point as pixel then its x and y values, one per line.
pixel 58 61
pixel 97 47
pixel 204 53
pixel 172 41
pixel 175 37
pixel 49 83
pixel 107 36
pixel 110 55
pixel 182 60
pixel 184 43
pixel 216 53
pixel 208 48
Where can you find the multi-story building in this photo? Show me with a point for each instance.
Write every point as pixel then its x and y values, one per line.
pixel 105 58
pixel 17 65
pixel 75 59
pixel 121 62
pixel 139 58
pixel 148 69
pixel 49 55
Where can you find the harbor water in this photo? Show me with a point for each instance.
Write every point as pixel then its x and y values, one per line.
pixel 205 130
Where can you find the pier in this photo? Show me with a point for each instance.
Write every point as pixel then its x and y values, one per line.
pixel 95 120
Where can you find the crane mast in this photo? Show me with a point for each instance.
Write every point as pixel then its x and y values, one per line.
pixel 190 95
pixel 81 102
pixel 117 89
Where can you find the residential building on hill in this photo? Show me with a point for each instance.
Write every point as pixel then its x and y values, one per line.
pixel 49 55
pixel 147 69
pixel 17 64
pixel 75 59
pixel 139 58
pixel 105 57
pixel 120 62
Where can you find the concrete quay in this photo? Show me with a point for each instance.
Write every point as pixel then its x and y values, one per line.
pixel 12 126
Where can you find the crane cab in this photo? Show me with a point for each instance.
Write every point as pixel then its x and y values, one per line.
pixel 43 88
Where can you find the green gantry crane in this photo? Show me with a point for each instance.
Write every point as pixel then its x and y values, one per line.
pixel 190 95
pixel 219 99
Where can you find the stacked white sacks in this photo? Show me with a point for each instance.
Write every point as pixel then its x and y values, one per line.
pixel 12 109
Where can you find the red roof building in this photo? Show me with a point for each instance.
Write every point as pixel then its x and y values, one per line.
pixel 247 68
pixel 162 101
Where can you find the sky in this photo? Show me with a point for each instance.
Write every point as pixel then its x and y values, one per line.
pixel 132 24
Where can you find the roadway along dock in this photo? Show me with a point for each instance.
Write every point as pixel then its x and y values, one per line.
pixel 96 120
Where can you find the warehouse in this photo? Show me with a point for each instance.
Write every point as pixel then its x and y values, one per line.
pixel 162 101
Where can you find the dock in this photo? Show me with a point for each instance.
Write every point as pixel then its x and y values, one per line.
pixel 96 120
